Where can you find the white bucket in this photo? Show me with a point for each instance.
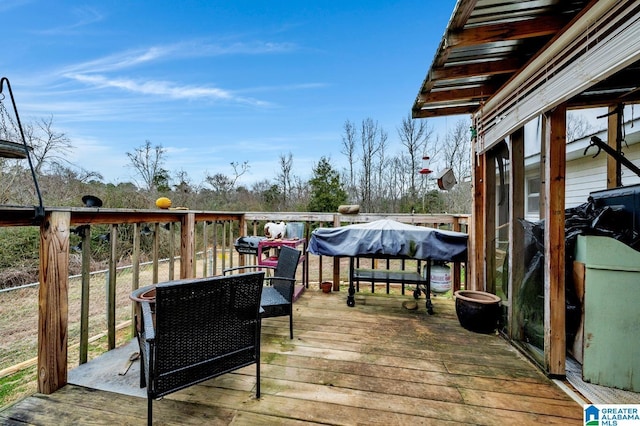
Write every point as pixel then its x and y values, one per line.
pixel 295 230
pixel 440 278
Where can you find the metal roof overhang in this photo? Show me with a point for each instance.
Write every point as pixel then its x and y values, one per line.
pixel 505 62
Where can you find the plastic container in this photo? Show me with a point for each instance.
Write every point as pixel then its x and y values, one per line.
pixel 295 230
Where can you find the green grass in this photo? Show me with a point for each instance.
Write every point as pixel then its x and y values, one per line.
pixel 18 385
pixel 23 383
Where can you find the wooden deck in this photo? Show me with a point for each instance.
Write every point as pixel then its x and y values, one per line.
pixel 376 363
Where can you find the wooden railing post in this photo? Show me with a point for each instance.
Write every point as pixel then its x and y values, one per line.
pixel 155 252
pixel 336 260
pixel 187 245
pixel 111 287
pixel 53 302
pixel 135 272
pixel 85 234
pixel 172 251
pixel 456 265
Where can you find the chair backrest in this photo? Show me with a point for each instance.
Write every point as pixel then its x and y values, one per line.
pixel 286 268
pixel 287 262
pixel 205 327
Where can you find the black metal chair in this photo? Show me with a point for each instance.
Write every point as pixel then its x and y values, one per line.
pixel 199 329
pixel 277 298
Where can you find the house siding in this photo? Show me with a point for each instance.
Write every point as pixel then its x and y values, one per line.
pixel 588 174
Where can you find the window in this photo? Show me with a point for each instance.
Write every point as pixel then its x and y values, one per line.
pixel 533 195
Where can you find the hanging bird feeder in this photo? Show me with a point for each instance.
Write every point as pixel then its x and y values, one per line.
pixel 425 166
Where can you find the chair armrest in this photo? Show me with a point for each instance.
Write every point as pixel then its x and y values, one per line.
pixel 293 280
pixel 147 320
pixel 282 285
pixel 224 271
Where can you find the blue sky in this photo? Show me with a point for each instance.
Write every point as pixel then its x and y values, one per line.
pixel 218 81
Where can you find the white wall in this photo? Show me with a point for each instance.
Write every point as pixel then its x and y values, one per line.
pixel 585 174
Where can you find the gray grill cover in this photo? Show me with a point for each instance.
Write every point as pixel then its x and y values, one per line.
pixel 390 238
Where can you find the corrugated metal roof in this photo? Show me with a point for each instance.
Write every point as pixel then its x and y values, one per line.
pixel 487 42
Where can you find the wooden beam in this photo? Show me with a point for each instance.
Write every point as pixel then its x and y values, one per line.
pixel 554 248
pixel 542 197
pixel 53 303
pixel 485 68
pixel 444 110
pixel 478 93
pixel 602 40
pixel 461 13
pixel 476 236
pixel 490 200
pixel 516 30
pixel 516 231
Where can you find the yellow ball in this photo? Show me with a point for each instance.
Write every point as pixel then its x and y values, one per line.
pixel 163 203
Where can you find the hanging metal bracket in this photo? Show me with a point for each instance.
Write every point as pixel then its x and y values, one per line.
pixel 39 209
pixel 618 156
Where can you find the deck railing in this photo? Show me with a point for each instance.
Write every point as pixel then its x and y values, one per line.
pixel 188 233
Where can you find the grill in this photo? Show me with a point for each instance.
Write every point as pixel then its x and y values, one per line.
pixel 248 245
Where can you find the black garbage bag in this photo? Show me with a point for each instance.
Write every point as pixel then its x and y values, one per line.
pixel 531 297
pixel 586 219
pixel 530 302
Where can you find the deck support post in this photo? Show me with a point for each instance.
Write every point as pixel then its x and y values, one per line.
pixel 554 239
pixel 489 219
pixel 53 304
pixel 476 245
pixel 516 231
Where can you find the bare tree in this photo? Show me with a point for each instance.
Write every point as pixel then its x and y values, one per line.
pixel 284 178
pixel 369 144
pixel 147 162
pixel 395 177
pixel 349 150
pixel 239 170
pixel 383 187
pixel 49 145
pixel 220 183
pixel 414 135
pixel 577 126
pixel 456 150
pixel 49 153
pixel 457 156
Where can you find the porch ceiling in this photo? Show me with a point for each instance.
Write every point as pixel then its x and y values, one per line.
pixel 488 42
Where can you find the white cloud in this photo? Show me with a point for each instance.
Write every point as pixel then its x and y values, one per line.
pixel 174 51
pixel 164 88
pixel 85 16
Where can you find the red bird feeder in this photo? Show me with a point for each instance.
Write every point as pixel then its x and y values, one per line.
pixel 425 166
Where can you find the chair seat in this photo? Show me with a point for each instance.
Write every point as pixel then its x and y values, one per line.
pixel 277 299
pixel 272 297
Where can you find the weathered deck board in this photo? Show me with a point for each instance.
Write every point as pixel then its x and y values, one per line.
pixel 376 363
